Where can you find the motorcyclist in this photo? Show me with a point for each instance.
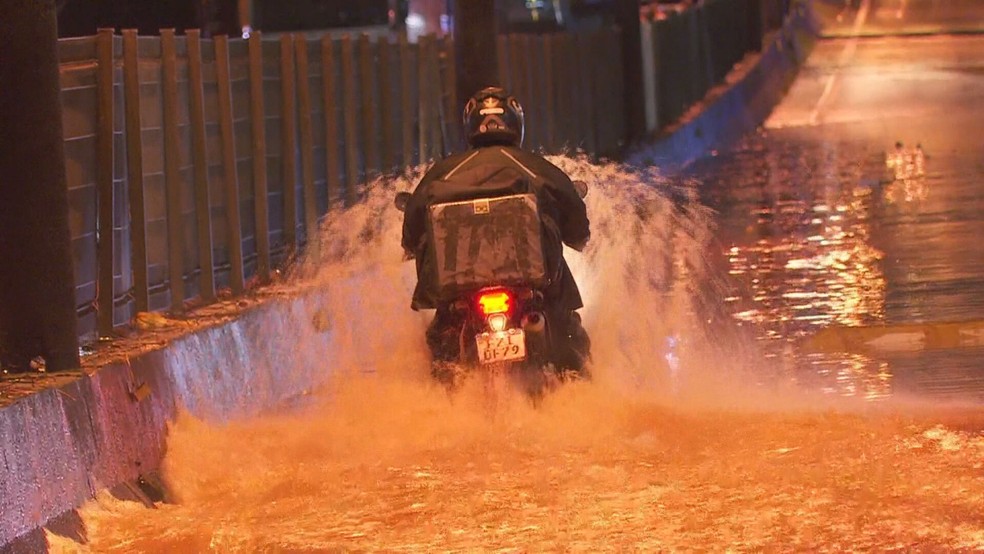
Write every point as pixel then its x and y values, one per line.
pixel 494 127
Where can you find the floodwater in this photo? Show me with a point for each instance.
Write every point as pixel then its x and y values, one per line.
pixel 707 427
pixel 689 438
pixel 858 206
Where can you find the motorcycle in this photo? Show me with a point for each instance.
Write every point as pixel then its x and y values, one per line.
pixel 504 324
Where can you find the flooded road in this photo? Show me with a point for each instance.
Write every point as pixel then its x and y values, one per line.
pixel 859 208
pixel 709 425
pixel 394 467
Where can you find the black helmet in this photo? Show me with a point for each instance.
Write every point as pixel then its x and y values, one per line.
pixel 492 116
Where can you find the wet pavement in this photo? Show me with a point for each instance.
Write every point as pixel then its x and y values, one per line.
pixel 900 17
pixel 859 206
pixel 588 472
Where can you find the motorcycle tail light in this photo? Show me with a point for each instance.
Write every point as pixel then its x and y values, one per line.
pixel 497 322
pixel 495 302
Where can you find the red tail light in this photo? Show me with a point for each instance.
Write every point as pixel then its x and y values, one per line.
pixel 495 302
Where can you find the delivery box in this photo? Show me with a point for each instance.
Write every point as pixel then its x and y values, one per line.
pixel 493 241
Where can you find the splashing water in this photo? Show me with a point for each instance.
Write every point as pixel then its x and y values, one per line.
pixel 384 461
pixel 642 277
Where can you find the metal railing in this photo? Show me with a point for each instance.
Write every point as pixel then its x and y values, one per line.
pixel 164 134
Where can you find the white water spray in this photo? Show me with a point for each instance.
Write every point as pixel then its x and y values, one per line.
pixel 383 458
pixel 643 279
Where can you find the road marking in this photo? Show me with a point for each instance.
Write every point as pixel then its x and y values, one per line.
pixel 897 338
pixel 898 342
pixel 849 49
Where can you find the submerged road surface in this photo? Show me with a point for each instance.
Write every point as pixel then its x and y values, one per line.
pixel 690 438
pixel 856 217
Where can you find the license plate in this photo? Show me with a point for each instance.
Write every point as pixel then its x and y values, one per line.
pixel 501 346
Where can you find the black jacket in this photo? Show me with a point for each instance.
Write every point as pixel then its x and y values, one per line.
pixel 561 210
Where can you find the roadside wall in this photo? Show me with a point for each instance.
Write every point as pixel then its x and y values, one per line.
pixel 62 445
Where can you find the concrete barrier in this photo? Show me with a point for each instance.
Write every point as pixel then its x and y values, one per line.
pixel 740 105
pixel 60 446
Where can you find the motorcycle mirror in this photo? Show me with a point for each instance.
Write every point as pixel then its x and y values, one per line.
pixel 581 187
pixel 401 200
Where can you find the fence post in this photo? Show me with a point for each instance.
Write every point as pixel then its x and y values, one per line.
pixel 649 74
pixel 606 112
pixel 370 140
pixel 330 97
pixel 518 61
pixel 386 111
pixel 230 180
pixel 505 62
pixel 561 92
pixel 451 108
pixel 755 26
pixel 704 43
pixel 525 89
pixel 134 171
pixel 426 96
pixel 586 81
pixel 349 112
pixel 104 181
pixel 309 200
pixel 436 123
pixel 668 33
pixel 288 141
pixel 203 214
pixel 257 116
pixel 696 87
pixel 550 93
pixel 627 17
pixel 620 131
pixel 406 108
pixel 474 43
pixel 172 171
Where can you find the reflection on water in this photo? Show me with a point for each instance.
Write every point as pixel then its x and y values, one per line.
pixel 849 374
pixel 826 233
pixel 908 169
pixel 821 271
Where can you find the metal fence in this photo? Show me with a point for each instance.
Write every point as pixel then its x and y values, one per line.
pixel 164 134
pixel 686 53
pixel 195 167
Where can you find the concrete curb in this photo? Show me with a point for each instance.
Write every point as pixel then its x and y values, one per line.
pixel 61 446
pixel 739 106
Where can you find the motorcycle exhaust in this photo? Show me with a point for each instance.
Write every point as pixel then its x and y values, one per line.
pixel 534 323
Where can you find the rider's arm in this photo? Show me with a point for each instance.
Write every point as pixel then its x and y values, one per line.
pixel 574 227
pixel 413 223
pixel 415 213
pixel 573 214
